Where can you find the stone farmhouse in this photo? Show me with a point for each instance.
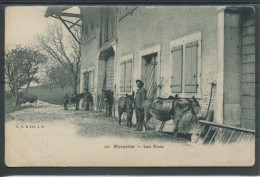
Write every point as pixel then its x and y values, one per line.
pixel 174 50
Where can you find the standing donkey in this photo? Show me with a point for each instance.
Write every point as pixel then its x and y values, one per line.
pixel 109 100
pixel 180 106
pixel 75 98
pixel 126 104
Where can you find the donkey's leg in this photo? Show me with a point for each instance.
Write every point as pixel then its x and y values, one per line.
pixel 147 117
pixel 144 123
pixel 176 124
pixel 65 104
pixel 87 106
pixel 110 109
pixel 106 109
pixel 127 119
pixel 175 127
pixel 77 105
pixel 119 120
pixel 130 118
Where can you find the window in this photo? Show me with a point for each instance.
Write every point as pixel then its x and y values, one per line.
pixel 89 32
pixel 108 25
pixel 126 75
pixel 86 78
pixel 185 64
pixel 89 77
pixel 91 80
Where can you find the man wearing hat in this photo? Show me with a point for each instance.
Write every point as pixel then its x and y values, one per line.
pixel 139 99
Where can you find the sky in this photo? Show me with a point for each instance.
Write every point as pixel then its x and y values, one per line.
pixel 23 23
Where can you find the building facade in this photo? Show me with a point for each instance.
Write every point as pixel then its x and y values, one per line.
pixel 174 50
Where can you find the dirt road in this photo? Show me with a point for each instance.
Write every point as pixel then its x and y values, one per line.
pixel 85 123
pixel 47 135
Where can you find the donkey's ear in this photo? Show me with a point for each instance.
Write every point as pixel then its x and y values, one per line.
pixel 194 98
pixel 133 94
pixel 126 95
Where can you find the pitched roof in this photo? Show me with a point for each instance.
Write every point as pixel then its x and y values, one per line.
pixel 55 10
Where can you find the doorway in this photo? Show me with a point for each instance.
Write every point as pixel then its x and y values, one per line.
pixel 149 74
pixel 109 71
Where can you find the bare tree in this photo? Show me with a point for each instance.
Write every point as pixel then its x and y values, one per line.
pixel 21 67
pixel 47 82
pixel 64 50
pixel 58 76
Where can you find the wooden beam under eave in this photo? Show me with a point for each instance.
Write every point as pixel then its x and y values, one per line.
pixel 69 21
pixel 62 20
pixel 76 23
pixel 69 15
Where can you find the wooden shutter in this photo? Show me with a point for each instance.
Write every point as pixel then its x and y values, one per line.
pixel 86 81
pixel 128 75
pixel 122 76
pixel 191 67
pixel 93 79
pixel 90 80
pixel 109 84
pixel 177 69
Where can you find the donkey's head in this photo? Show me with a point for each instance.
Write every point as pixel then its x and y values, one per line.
pixel 131 96
pixel 108 94
pixel 195 107
pixel 88 97
pixel 131 99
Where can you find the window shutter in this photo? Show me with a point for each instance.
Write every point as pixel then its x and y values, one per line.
pixel 128 75
pixel 191 67
pixel 122 76
pixel 92 83
pixel 86 81
pixel 177 69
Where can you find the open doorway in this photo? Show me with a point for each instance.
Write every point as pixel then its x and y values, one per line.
pixel 149 74
pixel 106 70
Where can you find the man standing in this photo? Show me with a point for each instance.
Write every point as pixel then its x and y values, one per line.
pixel 139 99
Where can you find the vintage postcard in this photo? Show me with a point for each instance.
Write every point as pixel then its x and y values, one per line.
pixel 129 86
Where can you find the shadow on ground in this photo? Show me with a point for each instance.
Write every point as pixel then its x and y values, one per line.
pixel 96 124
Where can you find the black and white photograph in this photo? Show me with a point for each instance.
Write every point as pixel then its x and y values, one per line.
pixel 130 86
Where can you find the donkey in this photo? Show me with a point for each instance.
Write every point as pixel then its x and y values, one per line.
pixel 75 98
pixel 88 99
pixel 126 104
pixel 109 100
pixel 179 108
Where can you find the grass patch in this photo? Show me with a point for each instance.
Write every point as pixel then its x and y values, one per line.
pixel 10 108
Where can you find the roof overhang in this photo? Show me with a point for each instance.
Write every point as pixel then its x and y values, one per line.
pixel 58 12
